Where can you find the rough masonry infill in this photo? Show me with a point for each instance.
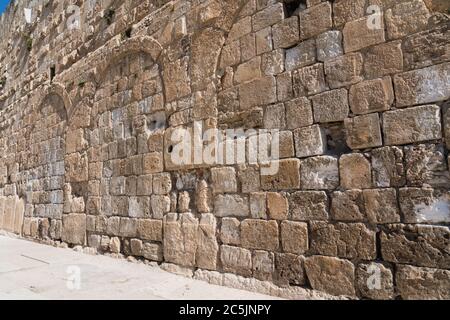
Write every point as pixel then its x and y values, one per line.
pixel 355 91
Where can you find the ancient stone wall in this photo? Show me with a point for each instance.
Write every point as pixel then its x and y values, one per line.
pixel 355 92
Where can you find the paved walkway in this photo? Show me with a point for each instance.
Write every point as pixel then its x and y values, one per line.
pixel 33 271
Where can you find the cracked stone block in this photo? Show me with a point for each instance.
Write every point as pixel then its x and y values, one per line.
pixel 348 206
pixel 230 231
pixel 263 265
pixel 381 206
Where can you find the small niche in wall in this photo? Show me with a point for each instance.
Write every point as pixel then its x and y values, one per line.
pixel 293 7
pixel 52 72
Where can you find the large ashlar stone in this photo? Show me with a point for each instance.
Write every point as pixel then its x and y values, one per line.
pixel 258 205
pixel 383 59
pixel 308 205
pixel 422 86
pixel 412 125
pixel 375 281
pixel 422 205
pixel 427 164
pixel 294 237
pixel 75 141
pixel 348 10
pixel 310 141
pixel 286 33
pixel 381 206
pixel 148 229
pixel 387 167
pixel 355 171
pixel 277 206
pixel 236 260
pixel 152 252
pixel 299 113
pixel 363 131
pixel 231 205
pixel 287 177
pixel 308 80
pixel 332 275
pixel 249 178
pixel 315 20
pixel 427 48
pixel 371 96
pixel 180 239
pixel 320 173
pixel 415 283
pixel 399 244
pixel 289 269
pixel 406 18
pixel 230 231
pixel 360 33
pixel 267 17
pixel 344 70
pixel 329 45
pixel 176 79
pixel 330 106
pixel 223 180
pixel 352 241
pixel 207 247
pixel 260 234
pixel 258 92
pixel 348 206
pixel 263 264
pixel 301 55
pixel 248 70
pixel 74 228
pixel 76 168
pixel 264 41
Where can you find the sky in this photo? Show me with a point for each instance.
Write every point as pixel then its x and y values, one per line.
pixel 3 5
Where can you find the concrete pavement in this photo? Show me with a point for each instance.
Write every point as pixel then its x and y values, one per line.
pixel 34 271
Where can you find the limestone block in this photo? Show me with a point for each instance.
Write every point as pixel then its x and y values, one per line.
pixel 308 205
pixel 332 275
pixel 315 20
pixel 152 251
pixel 371 96
pixel 231 205
pixel 406 18
pixel 264 40
pixel 207 249
pixel 363 131
pixel 294 237
pixel 258 205
pixel 383 59
pixel 310 141
pixel 348 10
pixel 412 125
pixel 263 264
pixel 360 33
pixel 301 55
pixel 273 62
pixel 298 113
pixel 258 92
pixel 223 180
pixel 277 206
pixel 329 45
pixel 260 234
pixel 286 32
pixel 287 177
pixel 148 229
pixel 236 260
pixel 248 70
pixel 289 269
pixel 74 228
pixel 330 106
pixel 381 206
pixel 320 173
pixel 230 232
pixel 348 206
pixel 344 70
pixel 375 281
pixel 308 80
pixel 355 171
pixel 388 168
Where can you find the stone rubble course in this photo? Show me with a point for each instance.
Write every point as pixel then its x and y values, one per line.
pixel 91 122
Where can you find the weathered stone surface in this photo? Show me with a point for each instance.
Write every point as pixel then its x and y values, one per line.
pixel 355 171
pixel 236 260
pixel 383 59
pixel 412 125
pixel 263 265
pixel 363 131
pixel 286 33
pixel 308 205
pixel 348 206
pixel 301 55
pixel 381 206
pixel 258 92
pixel 308 80
pixel 319 173
pixel 422 86
pixel 315 20
pixel 258 205
pixel 289 269
pixel 344 70
pixel 207 248
pixel 388 168
pixel 329 45
pixel 260 234
pixel 332 275
pixel 406 18
pixel 375 281
pixel 74 228
pixel 277 206
pixel 231 205
pixel 223 180
pixel 148 229
pixel 400 244
pixel 298 113
pixel 331 106
pixel 294 237
pixel 343 240
pixel 287 177
pixel 422 283
pixel 230 232
pixel 348 10
pixel 371 96
pixel 421 205
pixel 360 33
pixel 426 164
pixel 248 70
pixel 309 141
pixel 268 16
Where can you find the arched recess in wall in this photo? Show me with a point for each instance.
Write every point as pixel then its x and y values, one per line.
pixel 43 167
